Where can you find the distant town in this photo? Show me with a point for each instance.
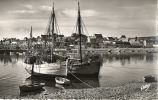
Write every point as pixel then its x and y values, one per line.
pixel 63 42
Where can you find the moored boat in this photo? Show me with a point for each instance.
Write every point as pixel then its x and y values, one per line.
pixel 31 87
pixel 87 65
pixel 85 68
pixel 155 45
pixel 62 81
pixel 115 50
pixel 45 70
pixel 150 78
pixel 46 63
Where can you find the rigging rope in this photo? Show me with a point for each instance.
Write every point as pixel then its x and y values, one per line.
pixel 57 26
pixel 81 80
pixel 74 28
pixel 48 25
pixel 84 27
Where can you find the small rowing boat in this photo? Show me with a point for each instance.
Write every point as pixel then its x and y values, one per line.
pixel 31 87
pixel 150 78
pixel 62 81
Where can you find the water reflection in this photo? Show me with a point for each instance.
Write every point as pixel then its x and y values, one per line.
pixel 128 58
pixel 125 67
pixel 7 58
pixel 116 68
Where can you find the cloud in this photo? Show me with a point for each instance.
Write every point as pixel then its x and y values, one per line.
pixel 89 13
pixel 22 11
pixel 106 16
pixel 46 8
pixel 84 13
pixel 28 6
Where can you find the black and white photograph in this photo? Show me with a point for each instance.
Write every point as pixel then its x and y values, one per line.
pixel 79 49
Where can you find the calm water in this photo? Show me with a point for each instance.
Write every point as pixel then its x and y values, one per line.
pixel 116 69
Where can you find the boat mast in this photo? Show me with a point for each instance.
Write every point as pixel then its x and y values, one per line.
pixel 31 32
pixel 30 40
pixel 79 31
pixel 32 72
pixel 53 21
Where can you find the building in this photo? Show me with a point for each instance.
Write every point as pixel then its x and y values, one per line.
pixel 99 38
pixel 123 38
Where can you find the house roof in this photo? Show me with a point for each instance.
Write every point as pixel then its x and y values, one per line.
pixel 60 35
pixel 98 35
pixel 92 37
pixel 106 39
pixel 123 36
pixel 111 38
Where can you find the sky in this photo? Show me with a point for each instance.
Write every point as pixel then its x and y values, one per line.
pixel 108 17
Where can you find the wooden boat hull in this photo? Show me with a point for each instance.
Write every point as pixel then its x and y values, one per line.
pixel 48 71
pixel 62 81
pixel 150 79
pixel 29 88
pixel 41 75
pixel 91 69
pixel 115 51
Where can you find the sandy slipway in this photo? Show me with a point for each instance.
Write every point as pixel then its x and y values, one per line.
pixel 126 91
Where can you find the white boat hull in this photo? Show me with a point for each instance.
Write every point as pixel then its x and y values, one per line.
pixel 62 81
pixel 52 70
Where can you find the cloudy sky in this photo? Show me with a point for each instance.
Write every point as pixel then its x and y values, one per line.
pixel 109 17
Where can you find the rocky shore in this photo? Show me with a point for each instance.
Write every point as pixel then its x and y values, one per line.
pixel 127 91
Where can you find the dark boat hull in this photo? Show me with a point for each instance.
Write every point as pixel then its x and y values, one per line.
pixel 90 70
pixel 29 88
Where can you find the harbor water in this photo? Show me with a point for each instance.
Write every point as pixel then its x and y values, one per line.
pixel 117 69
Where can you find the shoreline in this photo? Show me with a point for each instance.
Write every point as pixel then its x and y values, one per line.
pixel 87 49
pixel 126 91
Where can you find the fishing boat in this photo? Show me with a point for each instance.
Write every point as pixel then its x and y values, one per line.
pixel 150 78
pixel 52 30
pixel 59 86
pixel 155 45
pixel 62 81
pixel 38 66
pixel 115 51
pixel 31 87
pixel 86 65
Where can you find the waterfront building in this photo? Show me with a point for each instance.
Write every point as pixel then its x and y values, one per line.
pixel 6 42
pixel 99 38
pixel 93 43
pixel 23 44
pixel 148 41
pixel 122 44
pixel 13 45
pixel 109 42
pixel 123 38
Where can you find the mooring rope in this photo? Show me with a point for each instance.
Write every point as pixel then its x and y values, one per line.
pixel 81 80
